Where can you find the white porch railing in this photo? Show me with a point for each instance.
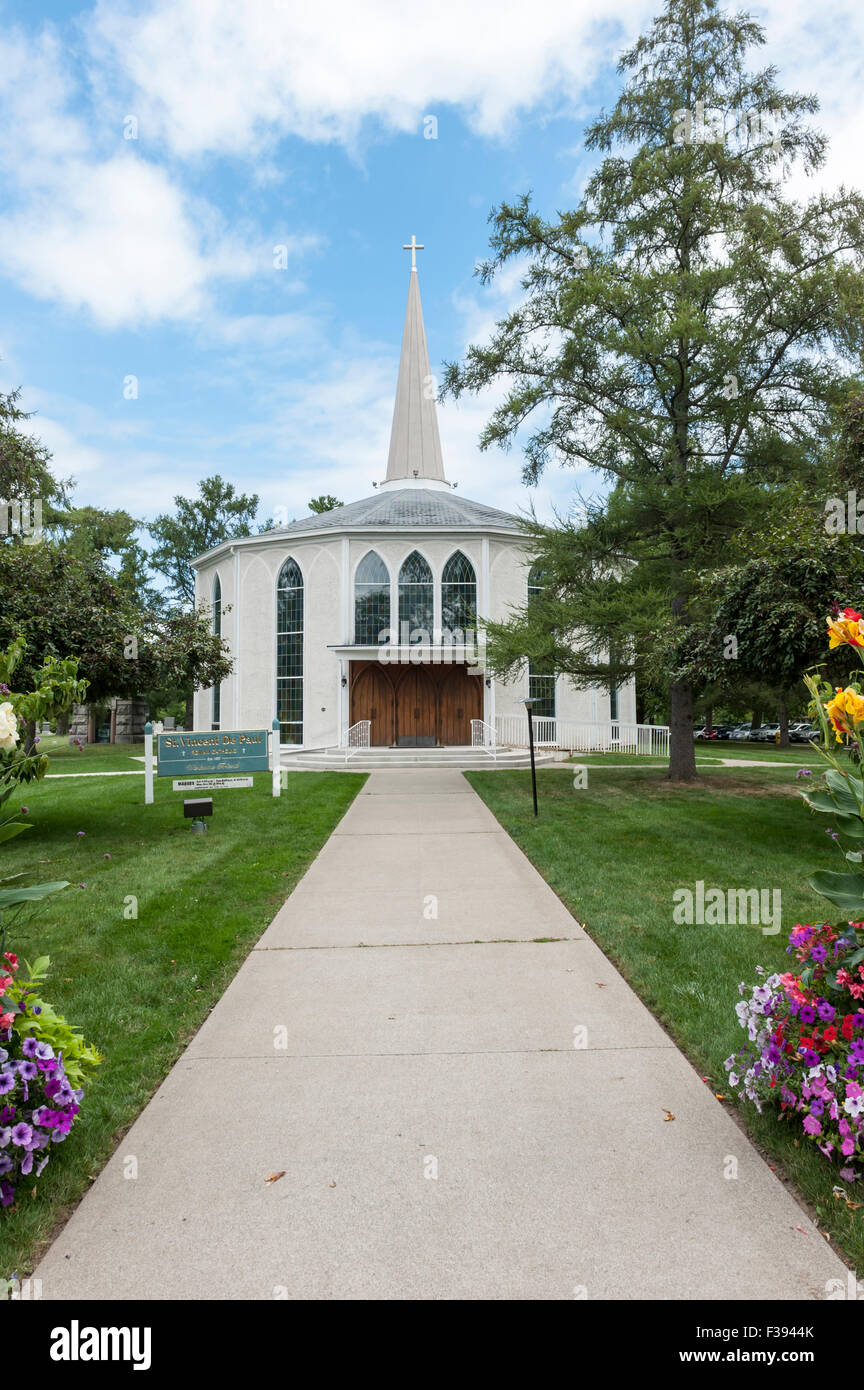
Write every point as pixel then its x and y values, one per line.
pixel 578 737
pixel 357 737
pixel 484 736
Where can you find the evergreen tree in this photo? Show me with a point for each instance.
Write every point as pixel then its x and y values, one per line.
pixel 683 313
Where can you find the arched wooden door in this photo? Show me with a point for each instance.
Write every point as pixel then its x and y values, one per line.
pixel 416 709
pixel 372 698
pixel 461 701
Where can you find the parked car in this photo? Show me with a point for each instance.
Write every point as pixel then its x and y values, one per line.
pixel 724 730
pixel 742 732
pixel 801 732
pixel 703 732
pixel 767 733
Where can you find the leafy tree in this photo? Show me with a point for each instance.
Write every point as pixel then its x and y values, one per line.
pixel 766 618
pixel 65 605
pixel 325 503
pixel 684 311
pixel 217 514
pixel 25 463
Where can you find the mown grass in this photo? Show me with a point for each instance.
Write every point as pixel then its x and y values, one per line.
pixel 616 851
pixel 139 986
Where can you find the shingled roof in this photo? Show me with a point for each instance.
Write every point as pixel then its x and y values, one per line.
pixel 418 507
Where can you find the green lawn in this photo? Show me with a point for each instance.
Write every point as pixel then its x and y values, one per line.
pixel 139 987
pixel 615 852
pixel 93 757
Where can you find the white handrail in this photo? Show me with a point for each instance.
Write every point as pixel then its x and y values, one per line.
pixel 608 736
pixel 484 736
pixel 357 737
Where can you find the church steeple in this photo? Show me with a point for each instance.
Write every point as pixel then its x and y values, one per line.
pixel 415 446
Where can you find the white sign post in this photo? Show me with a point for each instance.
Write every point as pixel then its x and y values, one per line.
pixel 275 749
pixel 148 764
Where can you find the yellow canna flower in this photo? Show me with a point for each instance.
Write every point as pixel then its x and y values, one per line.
pixel 846 630
pixel 845 711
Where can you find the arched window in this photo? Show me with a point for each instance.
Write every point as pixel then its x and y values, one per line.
pixel 289 652
pixel 415 597
pixel 371 600
pixel 541 679
pixel 216 698
pixel 458 595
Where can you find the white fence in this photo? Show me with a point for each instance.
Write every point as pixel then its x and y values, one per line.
pixel 512 731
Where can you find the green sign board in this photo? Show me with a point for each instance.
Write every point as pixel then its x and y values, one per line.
pixel 214 754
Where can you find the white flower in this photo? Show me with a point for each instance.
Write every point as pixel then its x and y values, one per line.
pixel 8 726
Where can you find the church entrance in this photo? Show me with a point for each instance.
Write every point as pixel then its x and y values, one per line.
pixel 415 706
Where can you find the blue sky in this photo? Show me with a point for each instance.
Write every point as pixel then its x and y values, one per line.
pixel 276 123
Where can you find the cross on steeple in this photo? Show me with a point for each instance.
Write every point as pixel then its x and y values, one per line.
pixel 413 246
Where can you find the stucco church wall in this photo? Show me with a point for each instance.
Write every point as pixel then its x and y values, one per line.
pixel 248 695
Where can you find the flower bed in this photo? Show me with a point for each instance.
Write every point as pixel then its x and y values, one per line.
pixel 805 1045
pixel 38 1101
pixel 805 1029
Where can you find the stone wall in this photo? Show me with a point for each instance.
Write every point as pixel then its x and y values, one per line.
pixel 130 716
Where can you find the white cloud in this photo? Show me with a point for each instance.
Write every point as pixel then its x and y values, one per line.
pixel 215 76
pixel 93 225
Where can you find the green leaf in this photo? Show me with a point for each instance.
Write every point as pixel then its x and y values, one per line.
pixel 846 792
pixel 820 801
pixel 13 828
pixel 10 896
pixel 846 891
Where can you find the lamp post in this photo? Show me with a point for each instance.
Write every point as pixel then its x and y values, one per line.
pixel 529 705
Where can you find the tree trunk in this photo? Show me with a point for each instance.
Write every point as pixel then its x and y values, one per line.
pixel 756 719
pixel 682 750
pixel 709 720
pixel 189 717
pixel 30 732
pixel 63 725
pixel 784 724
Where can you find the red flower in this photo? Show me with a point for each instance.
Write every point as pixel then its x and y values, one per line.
pixel 847 1026
pixel 830 1034
pixel 850 613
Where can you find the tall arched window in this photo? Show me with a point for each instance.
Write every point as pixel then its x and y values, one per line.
pixel 289 652
pixel 371 600
pixel 216 698
pixel 416 598
pixel 541 679
pixel 458 595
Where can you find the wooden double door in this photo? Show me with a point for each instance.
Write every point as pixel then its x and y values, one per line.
pixel 415 706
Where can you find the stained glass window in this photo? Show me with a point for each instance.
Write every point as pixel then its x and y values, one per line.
pixel 415 596
pixel 216 710
pixel 371 600
pixel 458 595
pixel 289 653
pixel 541 680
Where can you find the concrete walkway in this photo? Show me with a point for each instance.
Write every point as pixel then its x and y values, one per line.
pixel 400 1048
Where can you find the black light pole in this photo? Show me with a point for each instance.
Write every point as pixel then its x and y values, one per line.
pixel 529 704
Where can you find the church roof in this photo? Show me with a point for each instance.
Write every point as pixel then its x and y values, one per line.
pixel 402 507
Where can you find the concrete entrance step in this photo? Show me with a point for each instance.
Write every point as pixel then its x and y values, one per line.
pixel 323 759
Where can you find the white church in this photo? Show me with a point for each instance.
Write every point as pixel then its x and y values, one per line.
pixel 364 624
